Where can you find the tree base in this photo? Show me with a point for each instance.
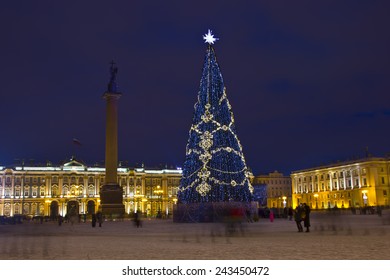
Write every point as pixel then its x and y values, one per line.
pixel 213 212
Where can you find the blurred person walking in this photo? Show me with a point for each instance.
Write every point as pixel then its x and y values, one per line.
pixel 306 216
pixel 298 217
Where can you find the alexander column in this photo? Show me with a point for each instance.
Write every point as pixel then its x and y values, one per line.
pixel 111 194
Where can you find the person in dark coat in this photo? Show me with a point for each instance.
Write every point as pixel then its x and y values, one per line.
pixel 290 213
pixel 99 217
pixel 60 220
pixel 93 220
pixel 306 220
pixel 298 217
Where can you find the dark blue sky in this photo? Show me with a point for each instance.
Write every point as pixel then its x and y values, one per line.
pixel 308 82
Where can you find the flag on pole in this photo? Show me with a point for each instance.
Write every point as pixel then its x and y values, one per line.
pixel 76 142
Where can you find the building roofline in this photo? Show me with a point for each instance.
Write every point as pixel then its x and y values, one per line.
pixel 341 163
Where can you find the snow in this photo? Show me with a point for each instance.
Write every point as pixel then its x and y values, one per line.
pixel 332 237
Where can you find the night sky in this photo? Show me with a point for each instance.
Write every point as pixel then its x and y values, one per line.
pixel 308 81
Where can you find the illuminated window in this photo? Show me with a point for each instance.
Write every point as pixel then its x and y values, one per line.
pixel 7 192
pixel 364 181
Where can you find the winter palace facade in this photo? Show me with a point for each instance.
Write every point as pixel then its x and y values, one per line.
pixel 54 190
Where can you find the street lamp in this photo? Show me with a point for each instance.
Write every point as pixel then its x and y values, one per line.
pixel 284 201
pixel 365 197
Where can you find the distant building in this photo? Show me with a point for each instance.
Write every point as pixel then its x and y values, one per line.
pixel 356 183
pixel 275 187
pixel 55 190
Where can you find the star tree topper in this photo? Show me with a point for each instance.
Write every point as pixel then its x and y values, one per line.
pixel 209 38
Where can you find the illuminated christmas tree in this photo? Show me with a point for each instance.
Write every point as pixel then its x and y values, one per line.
pixel 214 169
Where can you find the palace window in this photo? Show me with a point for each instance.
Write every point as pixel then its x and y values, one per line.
pixel 364 181
pixel 90 180
pixel 65 191
pixel 42 191
pixel 54 192
pixel 7 192
pixel 383 180
pixel 91 191
pixel 384 193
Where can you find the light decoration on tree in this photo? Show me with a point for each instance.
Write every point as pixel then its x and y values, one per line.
pixel 214 169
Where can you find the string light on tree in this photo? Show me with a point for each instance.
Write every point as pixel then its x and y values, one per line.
pixel 215 168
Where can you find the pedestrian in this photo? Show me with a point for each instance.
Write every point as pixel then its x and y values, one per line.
pixel 290 213
pixel 298 217
pixel 137 220
pixel 59 220
pixel 93 220
pixel 271 216
pixel 99 217
pixel 306 215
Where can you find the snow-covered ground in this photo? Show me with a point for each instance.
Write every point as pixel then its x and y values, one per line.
pixel 332 237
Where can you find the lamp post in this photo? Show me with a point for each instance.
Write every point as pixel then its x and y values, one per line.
pixel 365 197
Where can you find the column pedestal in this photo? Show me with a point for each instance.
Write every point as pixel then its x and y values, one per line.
pixel 112 197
